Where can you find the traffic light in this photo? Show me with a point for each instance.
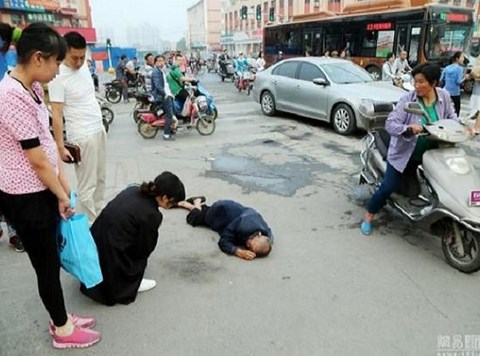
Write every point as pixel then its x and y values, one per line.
pixel 244 12
pixel 271 15
pixel 109 43
pixel 259 12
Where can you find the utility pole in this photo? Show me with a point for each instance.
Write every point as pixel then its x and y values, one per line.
pixel 111 70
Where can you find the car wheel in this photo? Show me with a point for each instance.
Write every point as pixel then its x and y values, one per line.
pixel 267 102
pixel 375 72
pixel 343 119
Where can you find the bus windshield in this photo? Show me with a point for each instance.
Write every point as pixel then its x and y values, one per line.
pixel 346 73
pixel 475 47
pixel 443 40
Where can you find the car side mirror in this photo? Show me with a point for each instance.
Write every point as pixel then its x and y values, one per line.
pixel 414 108
pixel 321 81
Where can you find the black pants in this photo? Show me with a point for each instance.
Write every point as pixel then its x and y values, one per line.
pixel 182 95
pixel 196 217
pixel 35 218
pixel 456 103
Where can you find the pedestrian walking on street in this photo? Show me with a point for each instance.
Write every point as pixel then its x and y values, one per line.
pixel 34 192
pixel 72 95
pixel 243 232
pixel 126 233
pixel 453 77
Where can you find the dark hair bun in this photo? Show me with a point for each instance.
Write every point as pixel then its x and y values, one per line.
pixel 149 189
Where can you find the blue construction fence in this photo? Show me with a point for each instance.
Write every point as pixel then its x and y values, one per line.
pixel 100 56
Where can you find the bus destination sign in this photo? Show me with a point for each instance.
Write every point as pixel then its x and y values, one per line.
pixel 454 17
pixel 381 26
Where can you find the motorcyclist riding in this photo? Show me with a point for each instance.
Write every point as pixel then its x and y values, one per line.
pixel 241 66
pixel 176 80
pixel 222 60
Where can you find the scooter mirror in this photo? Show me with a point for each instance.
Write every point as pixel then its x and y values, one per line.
pixel 414 108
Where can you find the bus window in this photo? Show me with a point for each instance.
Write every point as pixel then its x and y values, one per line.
pixel 402 32
pixel 443 40
pixel 292 41
pixel 475 47
pixel 271 41
pixel 317 44
pixel 414 41
pixel 377 43
pixel 333 39
pixel 307 43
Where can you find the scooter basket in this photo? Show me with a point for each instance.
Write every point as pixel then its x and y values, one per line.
pixel 202 103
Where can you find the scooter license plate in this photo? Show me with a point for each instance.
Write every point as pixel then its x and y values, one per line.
pixel 474 198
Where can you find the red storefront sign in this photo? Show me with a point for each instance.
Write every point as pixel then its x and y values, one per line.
pixel 99 56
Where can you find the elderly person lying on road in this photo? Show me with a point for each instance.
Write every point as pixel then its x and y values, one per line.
pixel 242 230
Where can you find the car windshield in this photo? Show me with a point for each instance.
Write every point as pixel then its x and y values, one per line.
pixel 446 39
pixel 346 73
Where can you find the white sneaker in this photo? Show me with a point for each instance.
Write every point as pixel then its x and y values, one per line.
pixel 146 284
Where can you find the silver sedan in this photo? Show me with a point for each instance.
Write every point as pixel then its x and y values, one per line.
pixel 326 89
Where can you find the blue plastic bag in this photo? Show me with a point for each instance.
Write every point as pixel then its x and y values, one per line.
pixel 78 251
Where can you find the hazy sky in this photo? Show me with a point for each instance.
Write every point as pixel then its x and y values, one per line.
pixel 169 15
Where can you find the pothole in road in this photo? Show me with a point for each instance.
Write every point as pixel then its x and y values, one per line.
pixel 267 166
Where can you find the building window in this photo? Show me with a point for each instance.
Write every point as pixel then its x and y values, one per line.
pixel 334 5
pixel 307 2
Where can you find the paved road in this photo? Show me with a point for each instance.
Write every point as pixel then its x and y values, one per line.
pixel 325 289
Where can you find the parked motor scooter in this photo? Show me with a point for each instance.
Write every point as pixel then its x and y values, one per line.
pixel 195 114
pixel 113 89
pixel 107 113
pixel 442 195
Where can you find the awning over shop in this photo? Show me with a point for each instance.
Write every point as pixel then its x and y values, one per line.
pixel 47 5
pixel 68 11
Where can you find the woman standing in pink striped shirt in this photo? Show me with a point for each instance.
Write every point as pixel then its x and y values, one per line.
pixel 34 193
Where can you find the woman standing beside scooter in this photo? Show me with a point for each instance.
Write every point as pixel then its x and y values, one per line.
pixel 453 77
pixel 406 147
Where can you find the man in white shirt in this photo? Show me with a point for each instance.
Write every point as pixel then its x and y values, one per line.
pixel 72 95
pixel 131 69
pixel 147 71
pixel 401 64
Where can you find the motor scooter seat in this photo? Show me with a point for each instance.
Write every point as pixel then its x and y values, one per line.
pixel 382 141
